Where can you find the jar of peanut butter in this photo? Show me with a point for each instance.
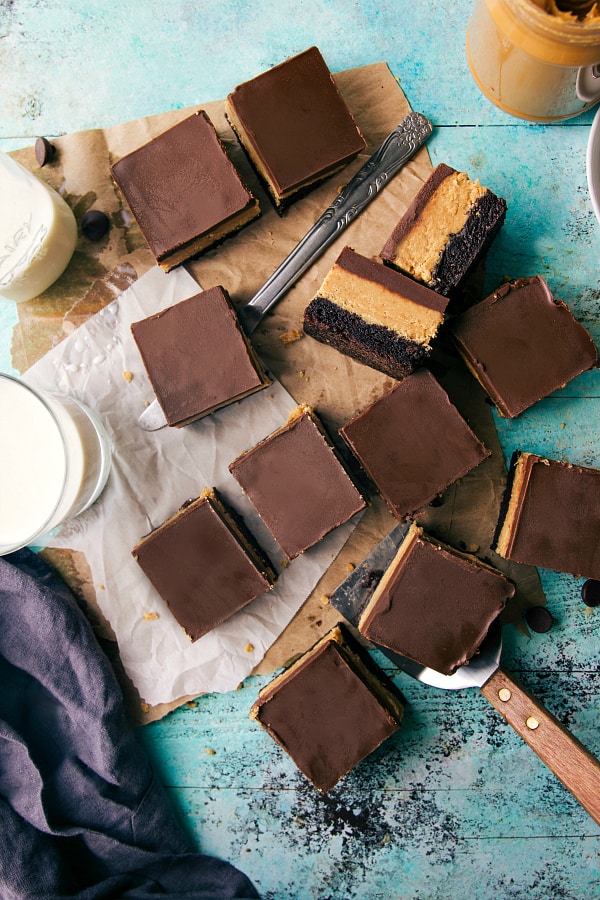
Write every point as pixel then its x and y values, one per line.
pixel 536 59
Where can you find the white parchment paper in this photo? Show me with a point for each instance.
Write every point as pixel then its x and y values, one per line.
pixel 152 474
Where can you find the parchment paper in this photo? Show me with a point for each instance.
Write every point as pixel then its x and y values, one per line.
pixel 152 474
pixel 312 373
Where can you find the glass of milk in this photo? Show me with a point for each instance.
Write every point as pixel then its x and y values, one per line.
pixel 38 232
pixel 55 459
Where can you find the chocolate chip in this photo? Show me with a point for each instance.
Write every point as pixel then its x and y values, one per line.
pixel 44 151
pixel 94 224
pixel 590 592
pixel 539 619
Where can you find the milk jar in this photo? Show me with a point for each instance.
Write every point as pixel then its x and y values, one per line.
pixel 536 59
pixel 38 232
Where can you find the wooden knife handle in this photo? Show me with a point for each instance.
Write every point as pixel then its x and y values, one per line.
pixel 575 766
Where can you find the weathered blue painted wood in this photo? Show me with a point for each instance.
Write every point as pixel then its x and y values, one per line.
pixel 455 804
pixel 134 59
pixel 453 795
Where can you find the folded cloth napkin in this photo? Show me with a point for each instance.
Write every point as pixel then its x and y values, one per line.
pixel 81 812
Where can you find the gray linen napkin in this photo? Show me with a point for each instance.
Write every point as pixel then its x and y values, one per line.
pixel 81 813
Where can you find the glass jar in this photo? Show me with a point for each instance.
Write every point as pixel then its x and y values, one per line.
pixel 532 63
pixel 38 233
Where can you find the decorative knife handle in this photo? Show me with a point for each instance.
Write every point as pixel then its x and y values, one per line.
pixel 388 159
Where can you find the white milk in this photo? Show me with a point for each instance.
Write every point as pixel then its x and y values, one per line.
pixel 38 232
pixel 54 462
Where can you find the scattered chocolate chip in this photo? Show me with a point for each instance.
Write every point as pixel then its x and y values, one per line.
pixel 44 151
pixel 94 224
pixel 590 592
pixel 539 619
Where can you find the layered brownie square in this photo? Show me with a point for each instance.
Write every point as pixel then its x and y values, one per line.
pixel 330 709
pixel 434 604
pixel 294 125
pixel 551 516
pixel 522 344
pixel 375 315
pixel 183 191
pixel 198 357
pixel 297 483
pixel 445 231
pixel 204 564
pixel 413 443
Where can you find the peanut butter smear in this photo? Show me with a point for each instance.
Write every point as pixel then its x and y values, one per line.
pixel 583 10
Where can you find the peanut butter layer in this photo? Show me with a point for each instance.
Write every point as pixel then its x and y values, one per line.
pixel 433 604
pixel 377 315
pixel 413 443
pixel 204 564
pixel 446 212
pixel 522 344
pixel 183 191
pixel 517 486
pixel 197 356
pixel 312 710
pixel 572 10
pixel 294 124
pixel 551 516
pixel 388 305
pixel 445 231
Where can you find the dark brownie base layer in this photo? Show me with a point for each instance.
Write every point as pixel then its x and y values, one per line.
pixel 465 249
pixel 372 345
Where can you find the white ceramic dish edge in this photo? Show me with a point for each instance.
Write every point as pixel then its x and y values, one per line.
pixel 593 164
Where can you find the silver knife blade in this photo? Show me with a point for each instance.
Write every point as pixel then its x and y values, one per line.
pixel 352 595
pixel 396 150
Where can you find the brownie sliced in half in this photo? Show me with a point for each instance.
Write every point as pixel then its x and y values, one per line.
pixel 297 483
pixel 413 443
pixel 204 564
pixel 446 230
pixel 330 709
pixel 198 357
pixel 433 604
pixel 184 191
pixel 294 125
pixel 375 315
pixel 551 516
pixel 522 344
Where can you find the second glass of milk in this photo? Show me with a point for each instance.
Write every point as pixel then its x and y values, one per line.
pixel 55 460
pixel 38 233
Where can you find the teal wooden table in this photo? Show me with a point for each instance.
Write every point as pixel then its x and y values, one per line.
pixel 457 805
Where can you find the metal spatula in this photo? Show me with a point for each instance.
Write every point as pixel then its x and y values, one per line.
pixel 399 146
pixel 575 766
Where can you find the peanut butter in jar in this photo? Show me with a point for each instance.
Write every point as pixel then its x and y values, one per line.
pixel 536 59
